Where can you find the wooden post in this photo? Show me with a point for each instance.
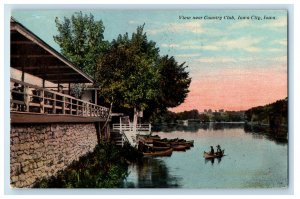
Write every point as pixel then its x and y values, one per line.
pixel 26 98
pixel 23 73
pixel 84 108
pixel 63 105
pixel 23 76
pixel 135 118
pixel 77 107
pixel 71 106
pixel 42 101
pixel 96 97
pixel 54 104
pixel 69 88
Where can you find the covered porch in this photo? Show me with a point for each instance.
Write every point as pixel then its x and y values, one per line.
pixel 39 75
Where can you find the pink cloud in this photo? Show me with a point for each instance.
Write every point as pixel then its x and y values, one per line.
pixel 236 89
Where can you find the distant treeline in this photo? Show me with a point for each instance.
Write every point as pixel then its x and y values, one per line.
pixel 208 116
pixel 274 115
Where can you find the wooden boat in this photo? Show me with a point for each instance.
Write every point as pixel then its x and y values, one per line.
pixel 187 145
pixel 160 143
pixel 158 148
pixel 155 137
pixel 191 142
pixel 178 147
pixel 177 141
pixel 167 152
pixel 148 139
pixel 150 136
pixel 207 155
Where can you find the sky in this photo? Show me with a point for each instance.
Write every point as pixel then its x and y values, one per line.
pixel 237 59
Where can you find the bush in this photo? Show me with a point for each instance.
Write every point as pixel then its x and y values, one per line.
pixel 105 167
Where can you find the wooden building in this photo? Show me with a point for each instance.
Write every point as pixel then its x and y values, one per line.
pixel 49 128
pixel 42 71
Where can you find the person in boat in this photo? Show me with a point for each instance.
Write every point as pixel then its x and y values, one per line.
pixel 219 150
pixel 212 151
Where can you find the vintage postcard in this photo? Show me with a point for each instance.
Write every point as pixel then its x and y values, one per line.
pixel 194 99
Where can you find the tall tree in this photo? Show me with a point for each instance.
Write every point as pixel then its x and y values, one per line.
pixel 174 82
pixel 132 74
pixel 127 74
pixel 81 40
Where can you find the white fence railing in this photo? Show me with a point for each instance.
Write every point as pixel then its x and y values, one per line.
pixel 140 128
pixel 129 133
pixel 31 98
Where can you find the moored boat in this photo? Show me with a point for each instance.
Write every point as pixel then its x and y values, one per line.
pixel 175 141
pixel 160 143
pixel 207 155
pixel 167 152
pixel 149 138
pixel 178 147
pixel 158 148
pixel 190 142
pixel 187 145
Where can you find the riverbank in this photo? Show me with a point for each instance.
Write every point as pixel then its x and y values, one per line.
pixel 105 167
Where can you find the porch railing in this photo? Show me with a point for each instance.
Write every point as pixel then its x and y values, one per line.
pixel 26 97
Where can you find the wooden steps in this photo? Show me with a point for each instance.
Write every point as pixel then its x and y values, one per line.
pixel 116 138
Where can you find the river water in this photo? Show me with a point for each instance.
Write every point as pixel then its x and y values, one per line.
pixel 253 160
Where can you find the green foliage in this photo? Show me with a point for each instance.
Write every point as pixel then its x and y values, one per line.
pixel 129 71
pixel 81 40
pixel 126 74
pixel 222 116
pixel 273 114
pixel 105 167
pixel 174 82
pixel 131 74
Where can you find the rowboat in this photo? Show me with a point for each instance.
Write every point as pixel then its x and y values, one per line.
pixel 187 145
pixel 176 141
pixel 149 139
pixel 160 143
pixel 191 142
pixel 158 148
pixel 167 152
pixel 178 147
pixel 207 155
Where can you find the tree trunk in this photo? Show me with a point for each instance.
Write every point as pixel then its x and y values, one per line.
pixel 135 119
pixel 107 118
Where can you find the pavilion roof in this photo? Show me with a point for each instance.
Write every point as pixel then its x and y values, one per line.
pixel 32 55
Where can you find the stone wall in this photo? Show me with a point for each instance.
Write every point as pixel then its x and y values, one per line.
pixel 41 150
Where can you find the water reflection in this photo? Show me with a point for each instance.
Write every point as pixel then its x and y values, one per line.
pixel 152 173
pixel 257 131
pixel 212 161
pixel 264 132
pixel 194 127
pixel 254 160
